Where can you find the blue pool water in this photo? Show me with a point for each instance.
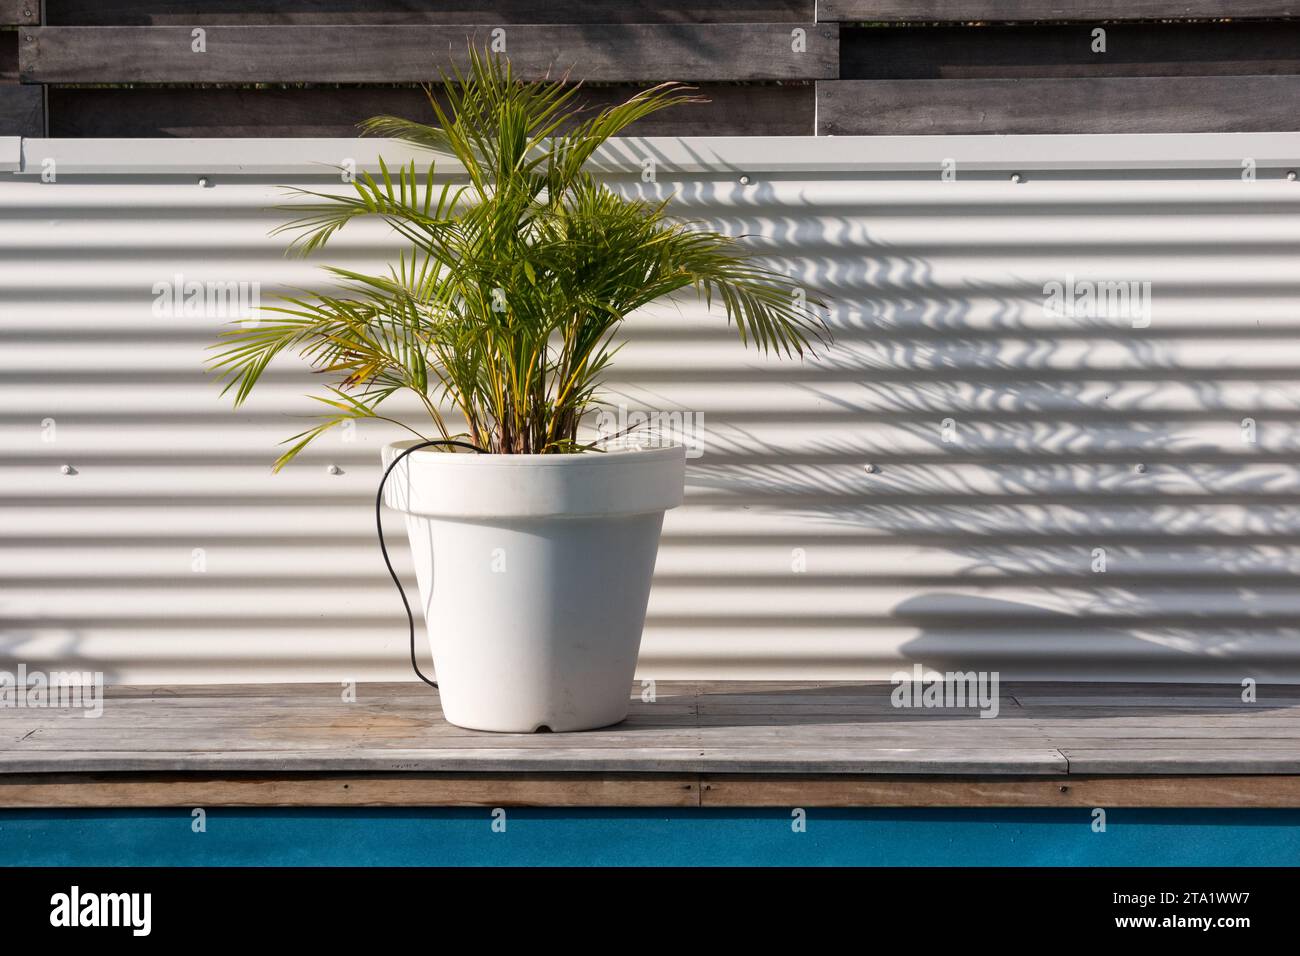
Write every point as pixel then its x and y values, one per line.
pixel 465 837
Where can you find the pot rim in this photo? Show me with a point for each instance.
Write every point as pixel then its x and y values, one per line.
pixel 620 455
pixel 499 487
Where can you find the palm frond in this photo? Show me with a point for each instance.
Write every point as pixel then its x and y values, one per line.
pixel 504 306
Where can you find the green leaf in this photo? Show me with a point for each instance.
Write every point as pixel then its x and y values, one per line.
pixel 508 211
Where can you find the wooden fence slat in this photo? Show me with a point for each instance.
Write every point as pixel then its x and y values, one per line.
pixel 751 110
pixel 22 110
pixel 1147 49
pixel 399 54
pixel 922 11
pixel 202 12
pixel 1153 104
pixel 19 12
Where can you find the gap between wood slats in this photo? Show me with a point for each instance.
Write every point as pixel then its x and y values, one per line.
pixel 202 12
pixel 415 53
pixel 917 11
pixel 749 110
pixel 1146 49
pixel 21 110
pixel 1170 104
pixel 8 56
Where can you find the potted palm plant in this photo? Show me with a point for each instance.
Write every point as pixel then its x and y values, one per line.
pixel 534 547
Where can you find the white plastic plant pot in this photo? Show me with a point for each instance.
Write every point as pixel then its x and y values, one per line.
pixel 534 574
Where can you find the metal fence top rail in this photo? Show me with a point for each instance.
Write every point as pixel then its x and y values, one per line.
pixel 739 154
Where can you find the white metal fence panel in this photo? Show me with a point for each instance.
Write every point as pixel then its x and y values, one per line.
pixel 1056 433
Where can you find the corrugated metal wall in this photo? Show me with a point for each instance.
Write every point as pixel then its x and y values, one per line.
pixel 942 485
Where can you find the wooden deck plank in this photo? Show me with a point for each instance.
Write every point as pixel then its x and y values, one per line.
pixel 882 790
pixel 1174 716
pixel 386 690
pixel 106 790
pixel 1182 760
pixel 353 790
pixel 759 731
pixel 1229 700
pixel 1128 688
pixel 918 760
pixel 571 759
pixel 503 760
pixel 510 760
pixel 241 740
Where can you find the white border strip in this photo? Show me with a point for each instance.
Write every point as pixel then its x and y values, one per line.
pixel 706 154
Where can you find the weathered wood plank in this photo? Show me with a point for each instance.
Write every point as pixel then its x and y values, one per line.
pixel 415 53
pixel 917 11
pixel 1126 689
pixel 757 729
pixel 19 12
pixel 932 759
pixel 853 790
pixel 272 735
pixel 388 690
pixel 1101 708
pixel 663 689
pixel 640 790
pixel 1150 104
pixel 202 12
pixel 416 715
pixel 1242 734
pixel 423 701
pixel 1182 760
pixel 1206 751
pixel 155 790
pixel 749 110
pixel 1138 49
pixel 275 738
pixel 1225 695
pixel 349 790
pixel 999 732
pixel 721 690
pixel 569 759
pixel 1227 699
pixel 1153 709
pixel 797 706
pixel 21 111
